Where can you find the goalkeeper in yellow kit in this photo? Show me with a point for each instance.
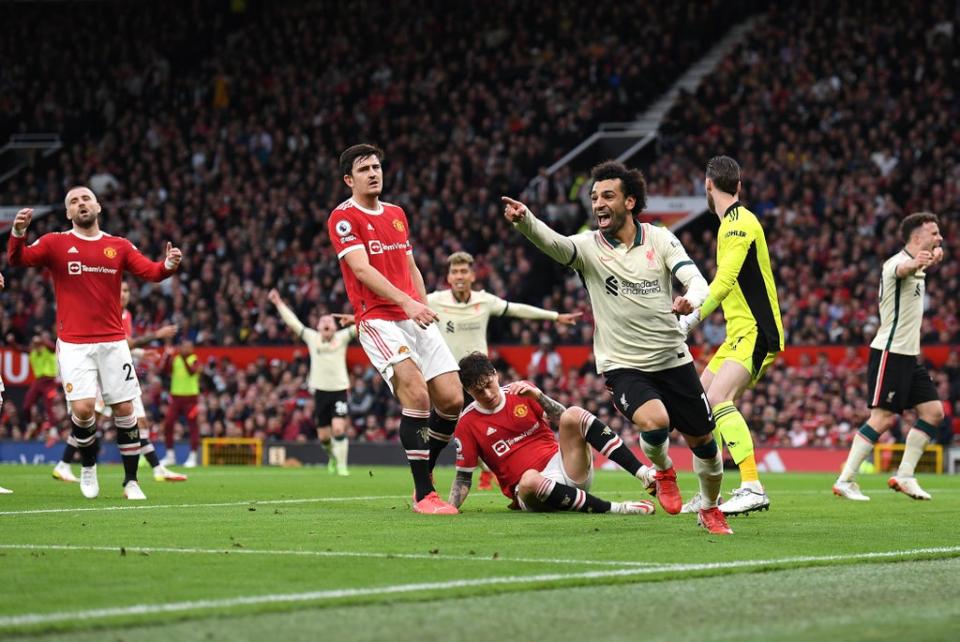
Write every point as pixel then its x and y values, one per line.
pixel 744 287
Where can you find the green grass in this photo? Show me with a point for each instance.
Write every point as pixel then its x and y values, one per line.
pixel 253 553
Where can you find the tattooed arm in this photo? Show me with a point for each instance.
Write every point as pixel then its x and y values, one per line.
pixel 461 487
pixel 552 409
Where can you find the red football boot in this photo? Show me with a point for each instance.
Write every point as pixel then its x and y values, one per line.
pixel 668 493
pixel 713 520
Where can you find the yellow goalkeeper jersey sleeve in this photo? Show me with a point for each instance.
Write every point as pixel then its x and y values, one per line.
pixel 744 284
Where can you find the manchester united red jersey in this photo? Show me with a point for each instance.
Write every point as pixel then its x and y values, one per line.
pixel 126 320
pixel 384 234
pixel 511 439
pixel 86 273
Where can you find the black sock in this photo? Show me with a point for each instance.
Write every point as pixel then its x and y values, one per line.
pixel 85 434
pixel 413 431
pixel 128 439
pixel 608 443
pixel 562 497
pixel 68 451
pixel 149 452
pixel 439 435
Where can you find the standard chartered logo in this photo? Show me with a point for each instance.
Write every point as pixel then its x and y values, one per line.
pixel 642 287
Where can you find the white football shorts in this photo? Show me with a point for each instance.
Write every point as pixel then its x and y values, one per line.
pixel 389 342
pixel 86 368
pixel 555 471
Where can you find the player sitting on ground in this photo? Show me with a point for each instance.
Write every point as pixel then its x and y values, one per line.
pixel 508 428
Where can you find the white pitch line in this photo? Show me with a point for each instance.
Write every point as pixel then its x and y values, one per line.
pixel 320 596
pixel 364 554
pixel 249 502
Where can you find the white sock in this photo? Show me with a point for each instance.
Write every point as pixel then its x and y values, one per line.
pixel 641 472
pixel 860 449
pixel 917 441
pixel 657 454
pixel 339 450
pixel 710 475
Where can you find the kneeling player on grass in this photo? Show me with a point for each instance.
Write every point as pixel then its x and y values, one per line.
pixel 508 428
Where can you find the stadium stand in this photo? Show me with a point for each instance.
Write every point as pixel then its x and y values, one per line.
pixel 234 159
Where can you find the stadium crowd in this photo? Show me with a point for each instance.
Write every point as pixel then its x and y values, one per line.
pixel 234 159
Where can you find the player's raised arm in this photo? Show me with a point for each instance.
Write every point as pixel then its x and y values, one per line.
pixel 165 332
pixel 19 254
pixel 922 260
pixel 288 316
pixel 558 247
pixel 358 262
pixel 141 266
pixel 506 308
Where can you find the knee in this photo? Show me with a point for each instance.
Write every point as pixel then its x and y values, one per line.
pixel 123 409
pixel 451 404
pixel 715 397
pixel 82 409
pixel 571 418
pixel 699 441
pixel 415 396
pixel 881 421
pixel 933 415
pixel 653 419
pixel 529 482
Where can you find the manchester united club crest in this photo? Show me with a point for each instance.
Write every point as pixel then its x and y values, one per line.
pixel 110 252
pixel 398 225
pixel 520 411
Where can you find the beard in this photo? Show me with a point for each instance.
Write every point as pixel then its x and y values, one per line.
pixel 710 204
pixel 85 221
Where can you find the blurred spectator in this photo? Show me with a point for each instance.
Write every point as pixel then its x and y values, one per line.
pixel 184 367
pixel 545 361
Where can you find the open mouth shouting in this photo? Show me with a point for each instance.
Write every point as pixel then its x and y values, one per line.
pixel 604 219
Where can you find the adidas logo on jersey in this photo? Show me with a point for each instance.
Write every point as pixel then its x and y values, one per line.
pixel 73 250
pixel 490 431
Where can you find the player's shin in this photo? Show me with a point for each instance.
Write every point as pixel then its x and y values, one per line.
pixel 708 465
pixel 732 428
pixel 917 439
pixel 655 444
pixel 339 449
pixel 562 497
pixel 413 431
pixel 85 433
pixel 128 440
pixel 328 447
pixel 608 443
pixel 146 448
pixel 70 449
pixel 440 433
pixel 860 448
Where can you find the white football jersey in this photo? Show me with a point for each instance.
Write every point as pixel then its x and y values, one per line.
pixel 901 308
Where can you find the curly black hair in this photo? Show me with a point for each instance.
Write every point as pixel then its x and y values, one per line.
pixel 631 181
pixel 475 369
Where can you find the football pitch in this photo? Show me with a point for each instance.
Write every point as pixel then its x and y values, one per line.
pixel 286 554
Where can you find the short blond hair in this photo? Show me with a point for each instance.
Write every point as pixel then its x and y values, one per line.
pixel 458 258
